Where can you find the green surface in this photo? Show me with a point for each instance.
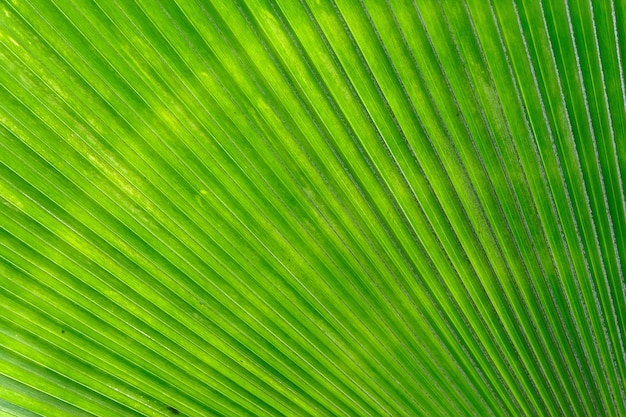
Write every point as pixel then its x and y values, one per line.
pixel 312 208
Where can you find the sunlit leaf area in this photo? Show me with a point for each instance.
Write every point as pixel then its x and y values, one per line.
pixel 403 208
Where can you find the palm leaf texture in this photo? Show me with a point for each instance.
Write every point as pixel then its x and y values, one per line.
pixel 312 208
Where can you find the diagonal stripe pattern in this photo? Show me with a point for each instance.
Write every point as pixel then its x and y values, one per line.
pixel 312 208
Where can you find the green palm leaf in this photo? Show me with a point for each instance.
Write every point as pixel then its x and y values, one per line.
pixel 281 207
